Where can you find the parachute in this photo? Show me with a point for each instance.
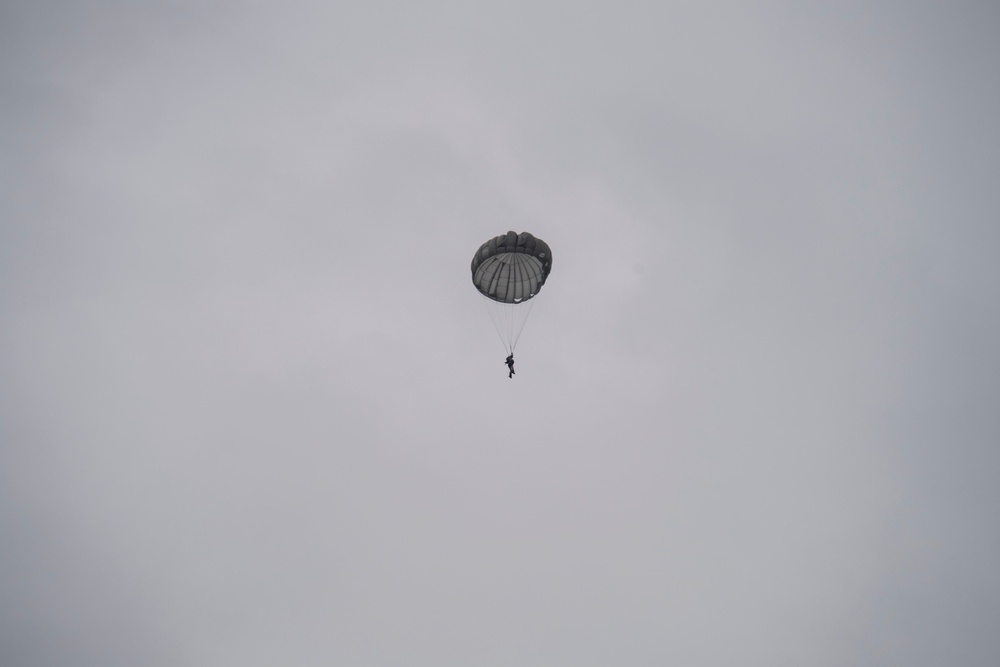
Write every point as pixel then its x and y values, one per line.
pixel 509 271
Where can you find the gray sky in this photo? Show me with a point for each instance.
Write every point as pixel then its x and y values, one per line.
pixel 252 411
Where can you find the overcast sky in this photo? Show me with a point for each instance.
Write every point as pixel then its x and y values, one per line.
pixel 253 412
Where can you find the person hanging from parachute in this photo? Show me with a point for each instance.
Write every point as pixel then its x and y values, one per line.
pixel 509 270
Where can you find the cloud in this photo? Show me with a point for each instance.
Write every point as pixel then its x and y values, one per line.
pixel 251 410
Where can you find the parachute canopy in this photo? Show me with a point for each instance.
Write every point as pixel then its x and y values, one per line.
pixel 512 267
pixel 509 270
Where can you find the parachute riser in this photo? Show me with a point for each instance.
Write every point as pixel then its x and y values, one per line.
pixel 509 321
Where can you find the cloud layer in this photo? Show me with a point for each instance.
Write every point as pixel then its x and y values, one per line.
pixel 251 410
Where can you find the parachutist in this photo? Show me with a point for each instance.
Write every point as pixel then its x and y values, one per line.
pixel 510 364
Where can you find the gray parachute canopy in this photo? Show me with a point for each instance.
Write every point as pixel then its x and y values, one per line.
pixel 512 267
